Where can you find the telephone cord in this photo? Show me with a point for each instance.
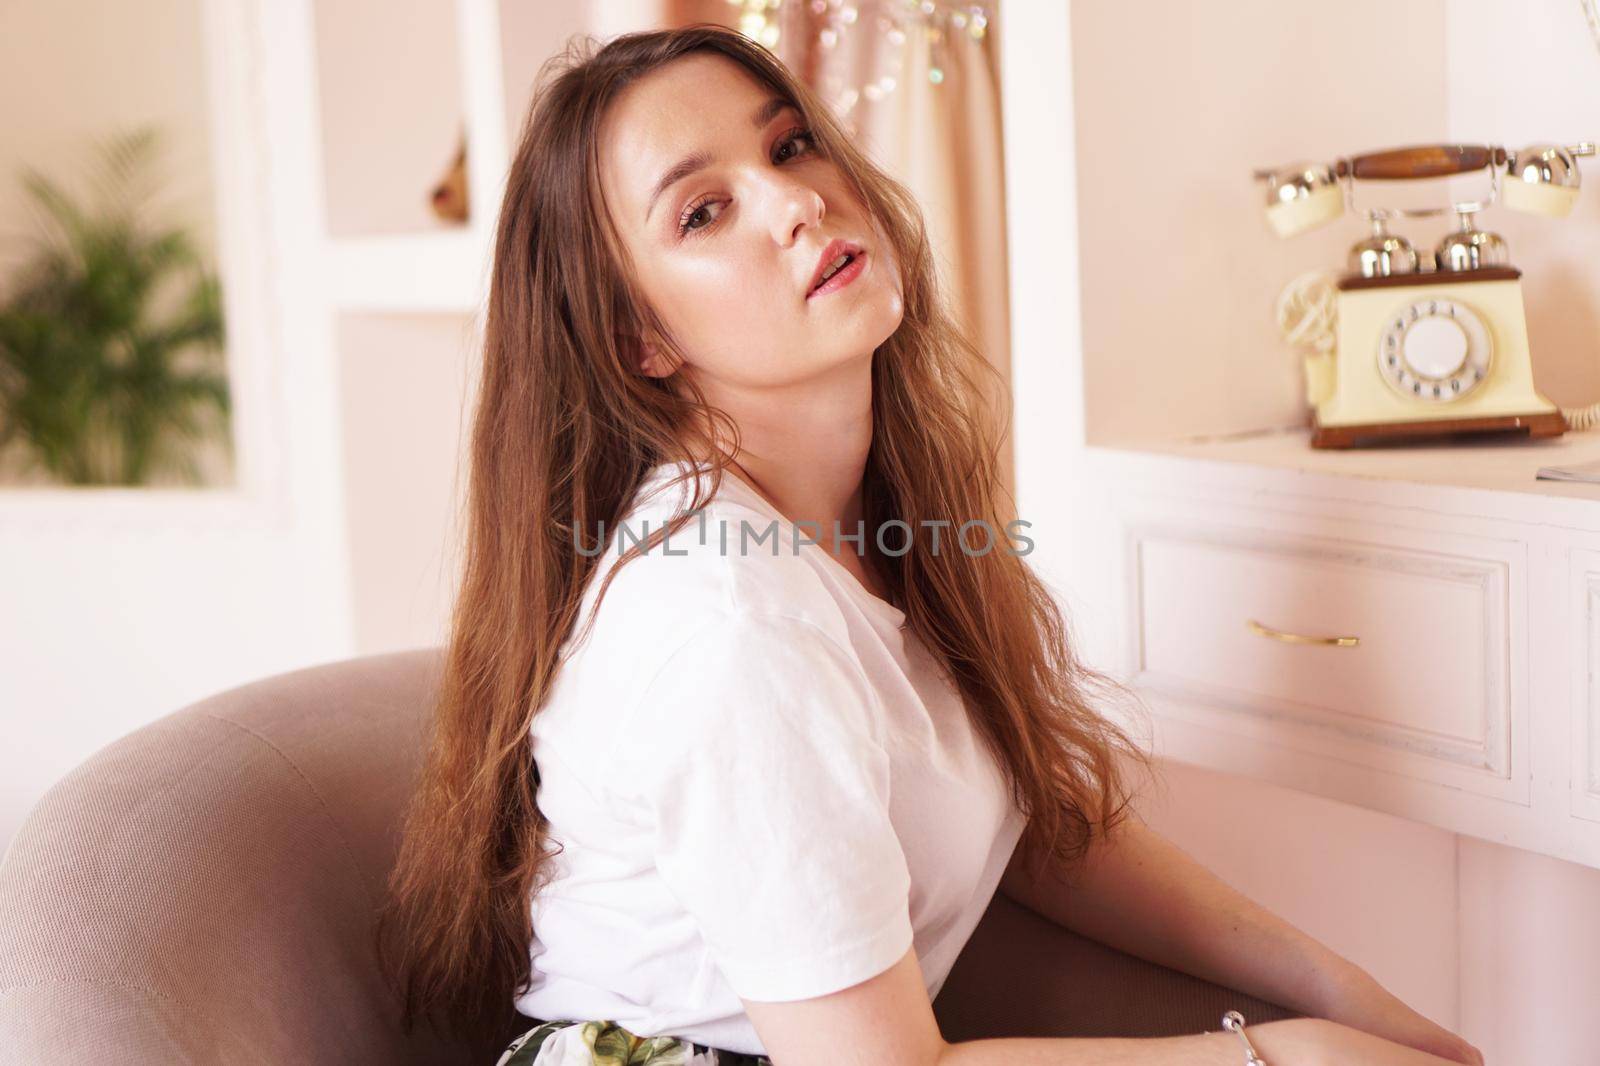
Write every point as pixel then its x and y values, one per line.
pixel 1308 311
pixel 1582 418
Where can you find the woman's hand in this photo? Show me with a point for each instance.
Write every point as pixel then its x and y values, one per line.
pixel 1355 999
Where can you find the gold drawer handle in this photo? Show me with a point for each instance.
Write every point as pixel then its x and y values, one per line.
pixel 1295 638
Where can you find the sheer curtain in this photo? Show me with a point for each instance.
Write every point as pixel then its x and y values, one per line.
pixel 942 140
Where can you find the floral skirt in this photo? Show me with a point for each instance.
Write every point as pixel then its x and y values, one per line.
pixel 605 1043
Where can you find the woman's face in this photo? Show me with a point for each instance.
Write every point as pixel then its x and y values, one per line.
pixel 726 254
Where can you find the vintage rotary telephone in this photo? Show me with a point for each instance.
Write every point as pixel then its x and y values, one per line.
pixel 1408 344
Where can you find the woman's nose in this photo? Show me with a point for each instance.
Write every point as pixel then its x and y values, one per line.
pixel 797 204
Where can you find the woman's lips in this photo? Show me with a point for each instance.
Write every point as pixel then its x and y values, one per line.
pixel 842 277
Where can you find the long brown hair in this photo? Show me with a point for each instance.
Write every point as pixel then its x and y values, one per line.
pixel 564 432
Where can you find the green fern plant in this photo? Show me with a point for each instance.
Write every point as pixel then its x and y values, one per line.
pixel 95 387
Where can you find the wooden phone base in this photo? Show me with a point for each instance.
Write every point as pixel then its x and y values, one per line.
pixel 1544 424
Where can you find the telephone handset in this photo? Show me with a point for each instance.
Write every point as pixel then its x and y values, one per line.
pixel 1413 344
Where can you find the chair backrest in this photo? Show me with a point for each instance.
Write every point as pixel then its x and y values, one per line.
pixel 203 889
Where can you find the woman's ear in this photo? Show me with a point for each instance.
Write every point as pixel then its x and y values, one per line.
pixel 649 359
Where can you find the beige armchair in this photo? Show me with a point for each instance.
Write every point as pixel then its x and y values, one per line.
pixel 202 889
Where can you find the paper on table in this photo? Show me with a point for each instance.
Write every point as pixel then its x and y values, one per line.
pixel 1575 472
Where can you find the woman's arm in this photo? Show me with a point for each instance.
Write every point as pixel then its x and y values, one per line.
pixel 887 1020
pixel 1138 892
pixel 1141 894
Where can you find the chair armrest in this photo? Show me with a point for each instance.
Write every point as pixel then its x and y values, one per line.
pixel 1023 975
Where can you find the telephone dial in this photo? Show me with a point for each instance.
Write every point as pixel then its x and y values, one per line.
pixel 1412 343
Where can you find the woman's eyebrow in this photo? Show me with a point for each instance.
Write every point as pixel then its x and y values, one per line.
pixel 697 161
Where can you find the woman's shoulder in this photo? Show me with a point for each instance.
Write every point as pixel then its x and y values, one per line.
pixel 732 556
pixel 688 582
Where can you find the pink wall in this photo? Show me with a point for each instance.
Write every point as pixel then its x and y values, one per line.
pixel 1176 106
pixel 75 70
pixel 390 95
pixel 1554 95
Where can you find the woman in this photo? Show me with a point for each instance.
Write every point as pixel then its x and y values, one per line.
pixel 772 787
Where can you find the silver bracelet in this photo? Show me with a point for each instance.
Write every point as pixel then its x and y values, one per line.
pixel 1233 1021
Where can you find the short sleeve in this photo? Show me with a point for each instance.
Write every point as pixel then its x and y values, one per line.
pixel 754 752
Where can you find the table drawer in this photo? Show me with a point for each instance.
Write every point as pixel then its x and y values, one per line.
pixel 1368 650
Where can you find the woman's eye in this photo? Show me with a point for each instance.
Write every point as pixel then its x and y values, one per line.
pixel 688 216
pixel 794 137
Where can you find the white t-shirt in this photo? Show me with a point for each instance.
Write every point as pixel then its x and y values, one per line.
pixel 761 784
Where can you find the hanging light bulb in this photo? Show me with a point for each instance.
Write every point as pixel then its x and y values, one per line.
pixel 939 20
